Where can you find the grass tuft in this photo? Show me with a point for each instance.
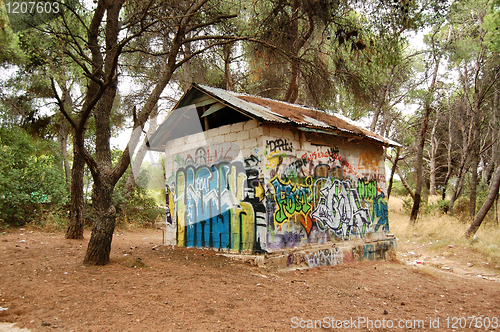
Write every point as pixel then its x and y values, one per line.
pixel 442 230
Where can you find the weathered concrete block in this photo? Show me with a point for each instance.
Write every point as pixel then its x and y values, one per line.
pixel 224 130
pixel 242 135
pixel 287 133
pixel 275 132
pixel 250 125
pixel 266 130
pixel 230 137
pixel 237 127
pixel 256 132
pixel 249 143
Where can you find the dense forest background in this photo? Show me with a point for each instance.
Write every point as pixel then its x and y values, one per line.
pixel 72 83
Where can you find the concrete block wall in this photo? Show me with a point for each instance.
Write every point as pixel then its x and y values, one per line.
pixel 321 192
pixel 206 176
pixel 289 190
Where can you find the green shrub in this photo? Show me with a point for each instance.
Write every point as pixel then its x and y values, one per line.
pixel 461 208
pixel 31 178
pixel 407 204
pixel 443 206
pixel 142 210
pixel 398 189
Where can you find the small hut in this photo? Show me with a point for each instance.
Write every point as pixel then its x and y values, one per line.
pixel 250 174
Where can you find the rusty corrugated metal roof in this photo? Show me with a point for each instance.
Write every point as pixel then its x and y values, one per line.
pixel 277 111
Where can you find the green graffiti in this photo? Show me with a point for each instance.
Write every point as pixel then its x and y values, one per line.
pixel 291 198
pixel 367 189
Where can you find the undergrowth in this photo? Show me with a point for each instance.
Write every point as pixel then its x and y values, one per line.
pixel 433 225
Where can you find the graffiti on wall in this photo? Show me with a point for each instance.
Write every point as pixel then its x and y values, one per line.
pixel 325 257
pixel 279 145
pixel 169 205
pixel 218 200
pixel 378 251
pixel 291 198
pixel 325 195
pixel 340 209
pixel 204 155
pixel 368 160
pixel 273 200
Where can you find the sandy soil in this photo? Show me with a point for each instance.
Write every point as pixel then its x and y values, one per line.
pixel 147 287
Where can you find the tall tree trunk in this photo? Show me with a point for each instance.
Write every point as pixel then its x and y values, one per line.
pixel 464 161
pixel 99 246
pixel 187 77
pixel 420 150
pixel 476 140
pixel 228 78
pixel 77 210
pixel 433 156
pixel 449 153
pixel 378 109
pixel 393 170
pixel 292 92
pixel 462 171
pixel 490 166
pixel 494 186
pixel 473 184
pixel 62 137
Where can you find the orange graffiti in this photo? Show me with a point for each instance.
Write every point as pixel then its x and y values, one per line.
pixel 368 160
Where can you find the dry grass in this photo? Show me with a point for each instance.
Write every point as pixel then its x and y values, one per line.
pixel 448 230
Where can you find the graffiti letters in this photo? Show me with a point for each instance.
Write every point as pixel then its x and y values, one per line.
pixel 339 209
pixel 367 189
pixel 296 258
pixel 325 257
pixel 279 145
pixel 380 211
pixel 205 155
pixel 251 161
pixel 291 198
pixel 210 207
pixel 377 251
pixel 294 169
pixel 275 159
pixel 369 160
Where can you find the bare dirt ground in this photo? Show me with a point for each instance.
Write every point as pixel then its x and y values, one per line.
pixel 147 287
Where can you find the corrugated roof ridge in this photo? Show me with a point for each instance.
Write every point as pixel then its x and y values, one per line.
pixel 265 98
pixel 365 131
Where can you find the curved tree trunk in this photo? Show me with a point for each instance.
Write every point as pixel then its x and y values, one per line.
pixel 420 148
pixel 393 170
pixel 99 246
pixel 405 183
pixel 62 137
pixel 77 211
pixel 494 186
pixel 473 185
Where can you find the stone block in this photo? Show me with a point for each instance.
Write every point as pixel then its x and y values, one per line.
pixel 224 130
pixel 249 143
pixel 242 135
pixel 250 125
pixel 255 132
pixel 237 127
